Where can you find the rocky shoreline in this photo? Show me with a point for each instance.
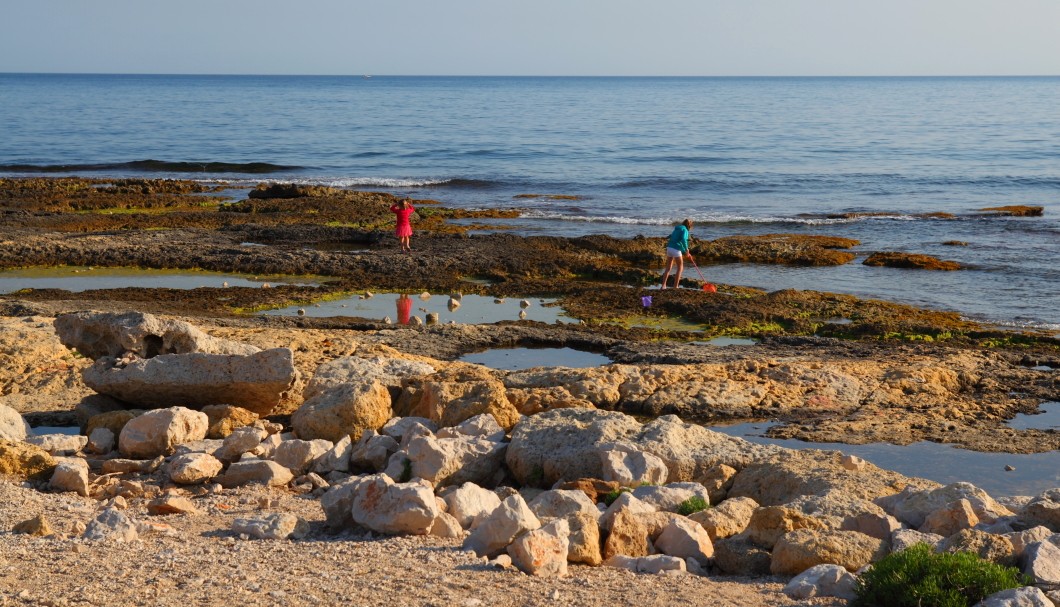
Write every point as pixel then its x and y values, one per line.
pixel 891 374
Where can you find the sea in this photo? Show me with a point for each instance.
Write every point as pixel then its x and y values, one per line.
pixel 864 158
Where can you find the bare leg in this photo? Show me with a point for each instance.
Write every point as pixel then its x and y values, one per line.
pixel 680 268
pixel 666 274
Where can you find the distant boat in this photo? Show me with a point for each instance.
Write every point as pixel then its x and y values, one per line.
pixel 366 76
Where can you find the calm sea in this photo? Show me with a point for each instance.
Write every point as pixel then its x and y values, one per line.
pixel 738 155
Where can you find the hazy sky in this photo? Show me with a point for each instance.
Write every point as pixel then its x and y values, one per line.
pixel 534 37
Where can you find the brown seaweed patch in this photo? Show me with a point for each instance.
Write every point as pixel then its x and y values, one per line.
pixel 914 261
pixel 1015 210
pixel 782 249
pixel 955 243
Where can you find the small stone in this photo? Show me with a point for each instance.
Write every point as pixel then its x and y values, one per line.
pixel 171 504
pixel 272 527
pixel 37 526
pixel 1009 468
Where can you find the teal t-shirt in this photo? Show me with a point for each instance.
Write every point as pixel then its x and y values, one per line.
pixel 679 239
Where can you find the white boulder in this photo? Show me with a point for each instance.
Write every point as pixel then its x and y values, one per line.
pixel 159 432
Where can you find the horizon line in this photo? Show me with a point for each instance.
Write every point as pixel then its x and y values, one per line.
pixel 370 75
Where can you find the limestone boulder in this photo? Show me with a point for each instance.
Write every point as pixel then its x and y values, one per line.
pixel 298 455
pixel 224 419
pixel 562 503
pixel 279 526
pixel 628 536
pixel 562 387
pixel 12 425
pixel 684 539
pixel 159 432
pixel 71 474
pixel 594 488
pixel 111 420
pixel 446 526
pixel 738 555
pixel 336 459
pixel 483 426
pixel 392 508
pixel 822 580
pixel 1041 561
pixel 801 549
pixel 59 444
pixel 584 539
pixel 345 410
pixel 24 461
pixel 389 371
pixel 37 526
pixel 452 461
pixel 492 533
pixel 542 551
pixel 1044 510
pixel 462 392
pixel 950 519
pixel 469 501
pixel 913 505
pixel 239 441
pixel 654 564
pixel 769 523
pixel 132 466
pixel 1024 596
pixel 193 468
pixel 372 451
pixel 563 444
pixel 404 429
pixel 788 475
pixel 258 471
pixel 902 539
pixel 669 498
pixel 101 441
pixel 691 451
pixel 1020 540
pixel 727 518
pixel 625 501
pixel 718 480
pixel 254 382
pixel 630 467
pixel 102 334
pixel 987 546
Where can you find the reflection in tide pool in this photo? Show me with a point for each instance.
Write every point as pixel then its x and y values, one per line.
pixel 80 278
pixel 1033 474
pixel 1048 419
pixel 469 309
pixel 517 359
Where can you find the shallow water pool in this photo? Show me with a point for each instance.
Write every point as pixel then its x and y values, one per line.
pixel 1048 419
pixel 1033 474
pixel 517 359
pixel 400 308
pixel 83 278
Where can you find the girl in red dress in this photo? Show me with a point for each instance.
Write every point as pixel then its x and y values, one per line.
pixel 403 231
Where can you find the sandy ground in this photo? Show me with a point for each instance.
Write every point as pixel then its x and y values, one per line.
pixel 196 560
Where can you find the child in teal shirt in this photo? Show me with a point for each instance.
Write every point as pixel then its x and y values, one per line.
pixel 676 249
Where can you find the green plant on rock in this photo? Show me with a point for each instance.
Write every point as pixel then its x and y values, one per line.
pixel 692 505
pixel 406 471
pixel 919 576
pixel 613 495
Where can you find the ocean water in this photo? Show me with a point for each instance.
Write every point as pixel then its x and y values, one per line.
pixel 737 155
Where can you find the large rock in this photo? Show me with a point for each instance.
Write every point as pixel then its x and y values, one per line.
pixel 12 425
pixel 224 419
pixel 71 474
pixel 159 432
pixel 194 468
pixel 737 555
pixel 801 549
pixel 1044 510
pixel 462 392
pixel 240 441
pixel 628 536
pixel 584 539
pixel 380 504
pixel 97 335
pixel 469 501
pixel 451 461
pixel 372 452
pixel 1042 562
pixel 111 420
pixel 950 518
pixel 59 444
pixel 912 506
pixel 986 546
pixel 691 452
pixel 495 531
pixel 630 467
pixel 349 370
pixel 727 518
pixel 563 444
pixel 561 503
pixel 542 551
pixel 822 580
pixel 298 455
pixel 336 459
pixel 343 410
pixel 668 498
pixel 25 461
pixel 768 524
pixel 254 382
pixel 258 471
pixel 685 539
pixel 1024 596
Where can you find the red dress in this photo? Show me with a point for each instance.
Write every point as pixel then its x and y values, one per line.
pixel 404 309
pixel 404 226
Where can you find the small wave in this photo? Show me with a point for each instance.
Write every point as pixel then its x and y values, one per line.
pixel 154 166
pixel 657 221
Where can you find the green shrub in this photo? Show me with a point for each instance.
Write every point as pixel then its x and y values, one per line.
pixel 918 577
pixel 613 495
pixel 692 504
pixel 406 472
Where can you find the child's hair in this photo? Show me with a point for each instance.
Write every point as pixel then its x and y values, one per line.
pixel 687 223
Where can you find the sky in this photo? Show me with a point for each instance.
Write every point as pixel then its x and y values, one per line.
pixel 534 37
